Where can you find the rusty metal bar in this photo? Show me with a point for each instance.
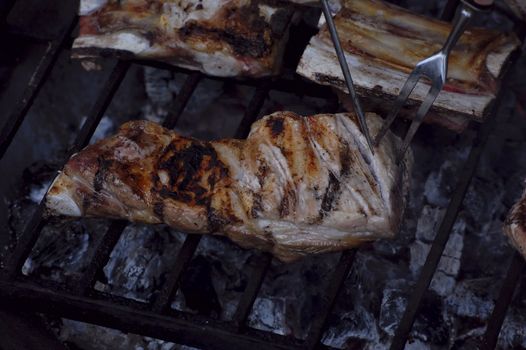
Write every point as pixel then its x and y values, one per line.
pixel 327 303
pixel 503 301
pixel 39 76
pixel 35 224
pixel 442 236
pixel 111 237
pixel 209 335
pixel 258 269
pixel 167 292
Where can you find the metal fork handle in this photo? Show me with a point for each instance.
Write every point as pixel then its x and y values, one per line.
pixel 346 73
pixel 460 23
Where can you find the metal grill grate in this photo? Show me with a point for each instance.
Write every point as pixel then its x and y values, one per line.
pixel 79 301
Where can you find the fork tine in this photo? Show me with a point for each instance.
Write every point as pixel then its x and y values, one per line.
pixel 401 99
pixel 420 114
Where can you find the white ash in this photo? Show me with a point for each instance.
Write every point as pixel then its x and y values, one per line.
pixel 60 251
pixel 428 223
pixel 105 128
pixel 270 314
pixel 140 260
pixel 38 191
pixel 300 305
pixel 393 305
pixel 472 298
pixel 227 276
pixel 359 324
pixel 448 268
pixel 513 333
pixel 91 337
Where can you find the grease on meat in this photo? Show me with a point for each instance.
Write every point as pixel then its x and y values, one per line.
pixel 297 185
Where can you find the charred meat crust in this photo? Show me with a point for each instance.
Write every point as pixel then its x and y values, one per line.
pixel 248 190
pixel 248 36
pixel 515 225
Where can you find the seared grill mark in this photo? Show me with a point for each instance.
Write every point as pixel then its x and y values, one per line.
pixel 345 159
pixel 158 209
pixel 245 31
pixel 215 220
pixel 332 192
pixel 257 207
pixel 288 202
pixel 98 180
pixel 275 124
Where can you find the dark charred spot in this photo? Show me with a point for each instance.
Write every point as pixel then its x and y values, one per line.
pixel 330 80
pixel 257 207
pixel 100 175
pixel 345 159
pixel 287 202
pixel 331 195
pixel 275 124
pixel 245 31
pixel 279 22
pixel 186 169
pixel 86 203
pixel 158 209
pixel 215 220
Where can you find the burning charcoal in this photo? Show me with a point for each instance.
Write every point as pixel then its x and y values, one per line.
pixel 513 332
pixel 394 301
pixel 483 200
pixel 61 250
pixel 439 185
pixel 300 305
pixel 158 85
pixel 198 289
pixel 141 258
pixel 472 298
pixel 228 271
pixel 428 223
pixel 357 324
pixel 78 335
pixel 269 314
pixel 419 251
pixel 445 276
pixel 430 325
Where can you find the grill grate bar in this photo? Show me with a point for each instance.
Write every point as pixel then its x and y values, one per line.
pixel 39 76
pixel 110 239
pixel 100 256
pixel 182 99
pixel 209 335
pixel 442 236
pixel 253 109
pixel 167 292
pixel 263 262
pixel 258 270
pixel 327 303
pixel 503 301
pixel 192 241
pixel 35 224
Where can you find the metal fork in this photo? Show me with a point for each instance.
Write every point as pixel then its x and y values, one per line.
pixel 435 69
pixel 346 73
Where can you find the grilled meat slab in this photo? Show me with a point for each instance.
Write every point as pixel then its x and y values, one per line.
pixel 383 43
pixel 515 225
pixel 296 185
pixel 221 38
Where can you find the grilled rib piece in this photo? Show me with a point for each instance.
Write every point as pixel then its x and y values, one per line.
pixel 515 225
pixel 222 38
pixel 384 42
pixel 296 185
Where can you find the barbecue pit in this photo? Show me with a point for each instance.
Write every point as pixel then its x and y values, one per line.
pixel 87 295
